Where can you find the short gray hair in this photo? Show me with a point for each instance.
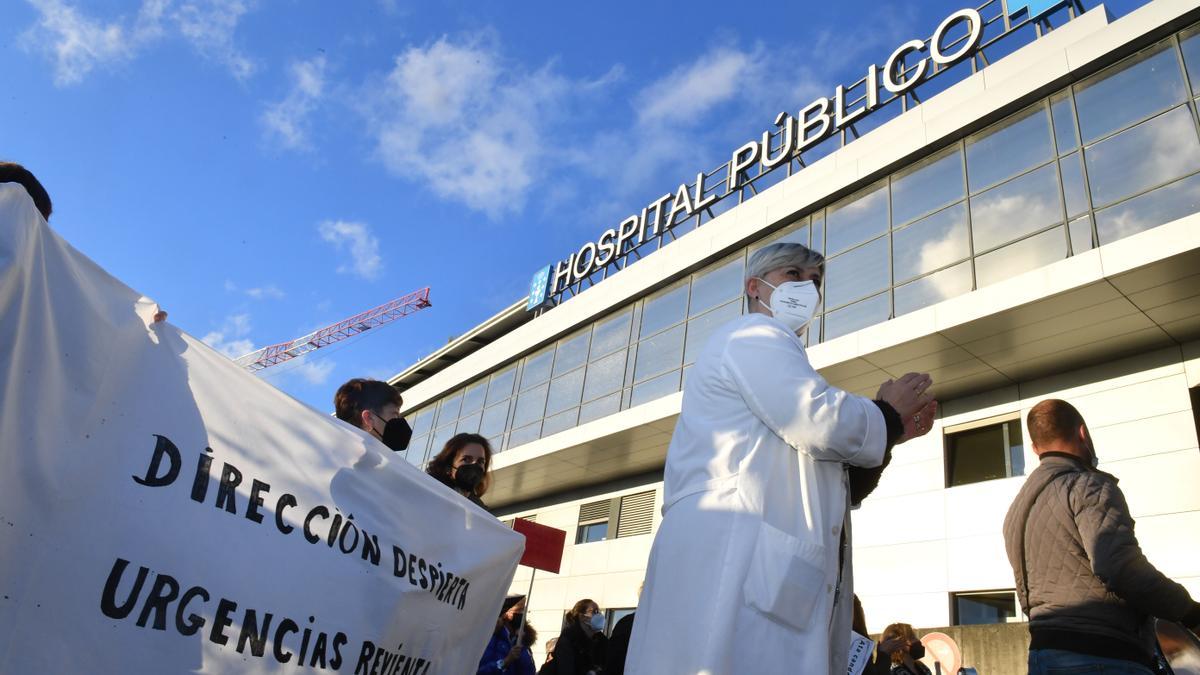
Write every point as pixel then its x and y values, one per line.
pixel 783 254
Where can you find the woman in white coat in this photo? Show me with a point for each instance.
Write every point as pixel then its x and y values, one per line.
pixel 750 569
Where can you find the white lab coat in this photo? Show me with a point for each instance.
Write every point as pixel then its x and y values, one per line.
pixel 743 577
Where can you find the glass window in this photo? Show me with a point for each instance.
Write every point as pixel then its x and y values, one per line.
pixel 1009 147
pixel 818 232
pixel 1152 209
pixel 468 424
pixel 933 289
pixel 415 454
pixel 858 218
pixel 494 419
pixel 537 368
pixel 439 438
pixel 856 274
pixel 665 309
pixel 531 405
pixel 611 334
pixel 448 410
pixel 1129 92
pixel 1073 188
pixel 655 388
pixel 564 392
pixel 604 375
pixel 560 422
pixel 985 453
pixel 713 287
pixel 796 233
pixel 592 532
pixel 1151 153
pixel 422 421
pixel 572 352
pixel 502 385
pixel 525 434
pixel 615 615
pixel 931 243
pixel 601 407
pixel 1036 251
pixel 702 327
pixel 659 353
pixel 1081 234
pixel 473 399
pixel 927 186
pixel 1016 208
pixel 984 608
pixel 1189 41
pixel 857 316
pixel 1062 110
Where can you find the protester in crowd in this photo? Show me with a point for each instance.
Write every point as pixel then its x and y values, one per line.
pixel 581 646
pixel 548 666
pixel 11 172
pixel 753 552
pixel 508 651
pixel 900 645
pixel 1081 577
pixel 464 465
pixel 618 645
pixel 374 407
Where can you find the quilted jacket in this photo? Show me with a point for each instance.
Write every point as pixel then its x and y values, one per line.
pixel 1086 572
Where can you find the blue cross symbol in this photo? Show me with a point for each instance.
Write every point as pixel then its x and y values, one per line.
pixel 538 288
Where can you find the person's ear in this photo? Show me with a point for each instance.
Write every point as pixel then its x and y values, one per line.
pixel 752 288
pixel 365 421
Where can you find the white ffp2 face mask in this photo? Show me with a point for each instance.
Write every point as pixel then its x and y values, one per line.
pixel 794 303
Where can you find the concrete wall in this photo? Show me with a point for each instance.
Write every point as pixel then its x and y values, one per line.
pixel 917 542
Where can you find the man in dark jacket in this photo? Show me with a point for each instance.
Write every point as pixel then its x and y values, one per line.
pixel 1081 577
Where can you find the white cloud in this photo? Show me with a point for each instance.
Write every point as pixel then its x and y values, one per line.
pixel 357 240
pixel 312 372
pixel 287 121
pixel 690 92
pixel 209 25
pixel 77 43
pixel 454 116
pixel 230 338
pixel 268 292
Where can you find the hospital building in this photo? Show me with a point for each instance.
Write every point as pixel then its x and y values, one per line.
pixel 1010 202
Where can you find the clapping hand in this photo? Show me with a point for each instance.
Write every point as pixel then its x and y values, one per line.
pixel 910 398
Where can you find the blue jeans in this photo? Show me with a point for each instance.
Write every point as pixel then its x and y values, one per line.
pixel 1061 662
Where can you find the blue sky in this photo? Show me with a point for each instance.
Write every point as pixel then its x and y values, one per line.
pixel 262 169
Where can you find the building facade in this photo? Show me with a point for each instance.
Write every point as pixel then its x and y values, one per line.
pixel 1022 221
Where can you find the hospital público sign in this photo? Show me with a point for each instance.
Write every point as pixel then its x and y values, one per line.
pixel 956 38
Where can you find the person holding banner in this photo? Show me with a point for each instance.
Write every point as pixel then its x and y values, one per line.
pixel 464 465
pixel 374 407
pixel 750 568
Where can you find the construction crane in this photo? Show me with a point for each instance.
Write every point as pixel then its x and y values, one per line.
pixel 348 328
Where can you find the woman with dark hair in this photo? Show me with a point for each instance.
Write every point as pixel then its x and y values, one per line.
pixel 906 648
pixel 464 465
pixel 581 645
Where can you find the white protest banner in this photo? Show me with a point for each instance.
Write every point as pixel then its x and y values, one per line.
pixel 163 511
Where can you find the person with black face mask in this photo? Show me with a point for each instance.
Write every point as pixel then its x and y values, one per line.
pixel 374 407
pixel 900 642
pixel 463 465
